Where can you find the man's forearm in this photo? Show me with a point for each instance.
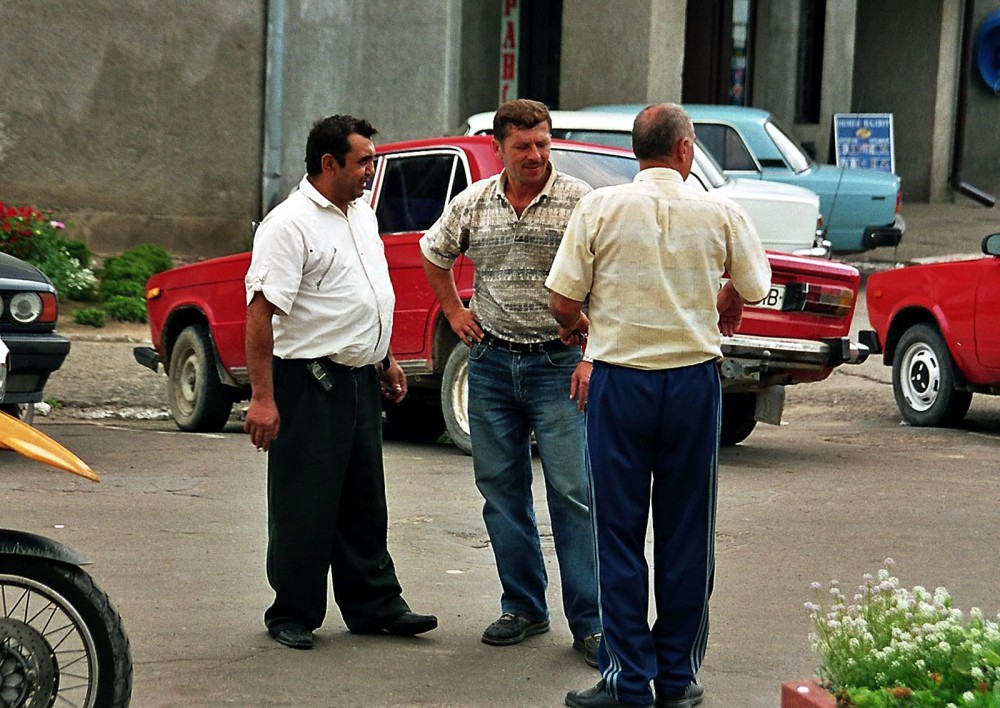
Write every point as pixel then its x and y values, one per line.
pixel 566 312
pixel 443 285
pixel 260 347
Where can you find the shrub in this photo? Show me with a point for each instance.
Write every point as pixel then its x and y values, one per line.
pixel 126 275
pixel 127 309
pixel 34 235
pixel 91 316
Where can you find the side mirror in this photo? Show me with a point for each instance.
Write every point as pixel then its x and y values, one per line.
pixel 991 245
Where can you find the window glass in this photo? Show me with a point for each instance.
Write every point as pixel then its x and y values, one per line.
pixel 595 169
pixel 726 146
pixel 415 189
pixel 612 138
pixel 796 158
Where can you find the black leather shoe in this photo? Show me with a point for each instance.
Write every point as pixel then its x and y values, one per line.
pixel 596 697
pixel 294 636
pixel 691 697
pixel 410 623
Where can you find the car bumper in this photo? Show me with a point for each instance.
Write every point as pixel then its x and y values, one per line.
pixel 755 362
pixel 889 235
pixel 32 358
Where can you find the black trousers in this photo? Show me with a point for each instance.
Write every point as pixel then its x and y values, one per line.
pixel 326 501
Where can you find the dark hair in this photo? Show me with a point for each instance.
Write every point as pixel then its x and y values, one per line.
pixel 329 136
pixel 521 113
pixel 657 130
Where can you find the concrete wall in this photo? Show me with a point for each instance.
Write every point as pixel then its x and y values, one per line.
pixel 141 122
pixel 982 148
pixel 900 77
pixel 632 53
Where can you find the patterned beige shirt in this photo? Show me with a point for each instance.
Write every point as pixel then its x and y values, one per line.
pixel 651 255
pixel 512 255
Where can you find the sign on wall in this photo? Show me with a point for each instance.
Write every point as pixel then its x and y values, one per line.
pixel 865 140
pixel 510 36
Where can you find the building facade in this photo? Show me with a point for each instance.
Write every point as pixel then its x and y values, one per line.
pixel 179 123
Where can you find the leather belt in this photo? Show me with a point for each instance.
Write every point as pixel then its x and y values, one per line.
pixel 523 347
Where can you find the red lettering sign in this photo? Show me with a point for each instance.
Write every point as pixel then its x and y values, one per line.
pixel 507 66
pixel 509 36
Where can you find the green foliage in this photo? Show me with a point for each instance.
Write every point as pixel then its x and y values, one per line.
pixel 898 647
pixel 126 275
pixel 126 309
pixel 34 235
pixel 91 316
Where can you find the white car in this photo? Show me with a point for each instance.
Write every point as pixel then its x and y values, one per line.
pixel 787 217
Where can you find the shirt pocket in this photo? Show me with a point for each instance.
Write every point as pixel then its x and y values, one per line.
pixel 320 266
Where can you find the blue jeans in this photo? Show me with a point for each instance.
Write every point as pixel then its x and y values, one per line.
pixel 510 395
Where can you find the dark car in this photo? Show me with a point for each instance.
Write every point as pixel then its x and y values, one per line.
pixel 28 311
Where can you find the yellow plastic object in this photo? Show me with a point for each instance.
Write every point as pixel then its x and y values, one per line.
pixel 22 438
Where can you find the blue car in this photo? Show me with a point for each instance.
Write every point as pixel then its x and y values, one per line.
pixel 860 207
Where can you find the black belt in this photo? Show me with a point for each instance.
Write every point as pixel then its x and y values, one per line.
pixel 523 347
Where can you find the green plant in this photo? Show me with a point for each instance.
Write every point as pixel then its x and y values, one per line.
pixel 898 647
pixel 34 235
pixel 127 309
pixel 91 316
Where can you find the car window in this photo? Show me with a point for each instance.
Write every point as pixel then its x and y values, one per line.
pixel 612 138
pixel 796 158
pixel 415 188
pixel 707 167
pixel 595 169
pixel 726 146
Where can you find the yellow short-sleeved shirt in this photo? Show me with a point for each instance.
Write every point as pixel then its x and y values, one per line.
pixel 651 256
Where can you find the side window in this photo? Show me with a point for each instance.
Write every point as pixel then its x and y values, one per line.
pixel 415 189
pixel 726 147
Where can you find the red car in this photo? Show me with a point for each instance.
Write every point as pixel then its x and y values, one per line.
pixel 196 312
pixel 937 325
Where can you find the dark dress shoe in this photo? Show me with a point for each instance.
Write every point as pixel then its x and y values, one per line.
pixel 692 696
pixel 294 636
pixel 410 623
pixel 595 697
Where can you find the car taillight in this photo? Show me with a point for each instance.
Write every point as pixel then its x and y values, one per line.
pixel 899 200
pixel 826 300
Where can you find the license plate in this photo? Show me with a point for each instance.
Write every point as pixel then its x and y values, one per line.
pixel 774 300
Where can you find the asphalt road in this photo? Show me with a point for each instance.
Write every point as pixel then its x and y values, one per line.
pixel 176 533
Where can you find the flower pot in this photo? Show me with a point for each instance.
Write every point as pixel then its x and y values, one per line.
pixel 806 694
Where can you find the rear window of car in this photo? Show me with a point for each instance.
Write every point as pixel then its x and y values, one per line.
pixel 597 170
pixel 726 146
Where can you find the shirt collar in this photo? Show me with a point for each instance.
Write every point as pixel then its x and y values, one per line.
pixel 308 190
pixel 655 174
pixel 546 193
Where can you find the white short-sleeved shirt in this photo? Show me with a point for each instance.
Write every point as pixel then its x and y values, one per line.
pixel 651 255
pixel 326 274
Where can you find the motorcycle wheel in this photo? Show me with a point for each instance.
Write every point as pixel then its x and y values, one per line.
pixel 61 640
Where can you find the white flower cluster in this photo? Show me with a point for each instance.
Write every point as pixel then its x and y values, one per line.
pixel 890 637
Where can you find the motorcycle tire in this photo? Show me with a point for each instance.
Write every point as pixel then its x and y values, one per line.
pixel 61 640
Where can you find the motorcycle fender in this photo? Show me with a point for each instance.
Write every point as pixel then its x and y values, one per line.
pixel 22 543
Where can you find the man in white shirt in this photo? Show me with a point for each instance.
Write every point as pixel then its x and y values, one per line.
pixel 319 318
pixel 649 256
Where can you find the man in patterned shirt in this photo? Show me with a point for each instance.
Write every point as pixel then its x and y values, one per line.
pixel 522 378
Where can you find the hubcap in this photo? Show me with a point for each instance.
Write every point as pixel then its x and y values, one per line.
pixel 187 384
pixel 920 377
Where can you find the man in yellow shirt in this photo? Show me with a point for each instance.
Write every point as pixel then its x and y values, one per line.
pixel 649 256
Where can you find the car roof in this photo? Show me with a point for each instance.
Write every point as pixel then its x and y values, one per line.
pixel 475 143
pixel 697 111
